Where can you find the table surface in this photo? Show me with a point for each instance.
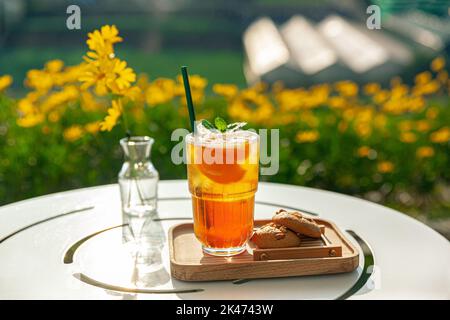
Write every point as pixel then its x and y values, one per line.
pixel 400 257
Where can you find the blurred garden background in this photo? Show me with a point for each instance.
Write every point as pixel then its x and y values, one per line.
pixel 360 111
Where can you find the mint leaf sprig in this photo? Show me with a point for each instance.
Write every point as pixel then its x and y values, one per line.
pixel 208 125
pixel 221 125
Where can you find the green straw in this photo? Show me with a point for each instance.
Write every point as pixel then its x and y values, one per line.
pixel 187 89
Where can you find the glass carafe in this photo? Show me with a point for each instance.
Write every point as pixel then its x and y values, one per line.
pixel 138 178
pixel 138 181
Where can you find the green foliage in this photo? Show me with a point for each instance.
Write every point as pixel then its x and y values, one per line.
pixel 36 161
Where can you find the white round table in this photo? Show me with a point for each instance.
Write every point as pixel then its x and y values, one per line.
pixel 38 239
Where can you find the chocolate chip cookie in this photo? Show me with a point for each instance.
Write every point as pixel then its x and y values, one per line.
pixel 297 222
pixel 273 235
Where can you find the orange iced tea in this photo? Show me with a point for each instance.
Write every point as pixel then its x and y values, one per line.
pixel 223 179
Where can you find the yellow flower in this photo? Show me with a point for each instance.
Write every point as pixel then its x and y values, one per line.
pixel 102 41
pixel 438 64
pixel 39 80
pixel 307 99
pixel 422 125
pixel 30 120
pixel 240 111
pixel 307 136
pixel 289 100
pixel 196 82
pixel 408 137
pixel 73 133
pixel 198 96
pixel 54 116
pixel 58 98
pixel 228 91
pixel 372 88
pixel 263 113
pixel 415 104
pixel 108 75
pixel 102 70
pixel 363 129
pixel 53 74
pixel 423 77
pixel 88 102
pixel 69 75
pixel 92 127
pixel 160 91
pixel 440 136
pixel 381 96
pixel 363 152
pixel 99 74
pixel 426 88
pixel 385 166
pixel 365 114
pixel 337 102
pixel 347 88
pixel 349 114
pixel 155 95
pixel 425 152
pixel 54 66
pixel 318 94
pixel 113 116
pixel 125 76
pixel 110 34
pixel 5 82
pixel 26 106
pixel 380 121
pixel 251 105
pixel 309 118
pixel 169 86
pixel 399 91
pixel 133 93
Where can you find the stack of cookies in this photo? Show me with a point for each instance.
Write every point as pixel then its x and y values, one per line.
pixel 285 230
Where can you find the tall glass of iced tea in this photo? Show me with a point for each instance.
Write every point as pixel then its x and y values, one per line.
pixel 223 179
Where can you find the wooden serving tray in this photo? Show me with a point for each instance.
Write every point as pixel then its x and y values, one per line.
pixel 312 257
pixel 309 247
